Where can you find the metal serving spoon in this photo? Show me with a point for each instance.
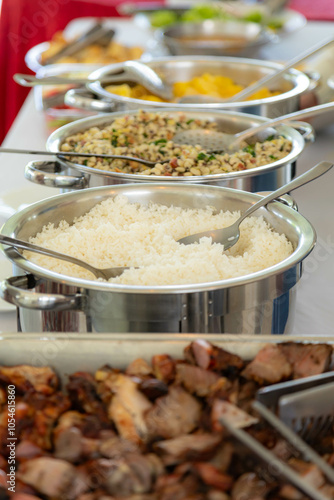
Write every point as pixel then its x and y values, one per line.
pixel 133 71
pixel 228 236
pixel 106 273
pixel 62 155
pixel 251 89
pixel 211 140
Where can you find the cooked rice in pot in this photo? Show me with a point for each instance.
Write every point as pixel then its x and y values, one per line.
pixel 149 136
pixel 119 233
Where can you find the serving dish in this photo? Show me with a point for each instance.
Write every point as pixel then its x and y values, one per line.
pixel 67 175
pixel 183 68
pixel 70 352
pixel 215 38
pixel 136 421
pixel 261 302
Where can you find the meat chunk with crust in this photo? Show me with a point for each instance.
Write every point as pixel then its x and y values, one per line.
pixel 199 446
pixel 26 378
pixel 172 415
pixel 195 379
pixel 307 359
pixel 209 356
pixel 269 366
pixel 234 415
pixel 49 476
pixel 127 409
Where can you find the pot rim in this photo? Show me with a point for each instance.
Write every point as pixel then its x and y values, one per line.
pixel 307 240
pixel 58 136
pixel 300 79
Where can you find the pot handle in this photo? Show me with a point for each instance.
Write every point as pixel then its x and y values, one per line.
pixel 15 291
pixel 83 99
pixel 305 129
pixel 49 173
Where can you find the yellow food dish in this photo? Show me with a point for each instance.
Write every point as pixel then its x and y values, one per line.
pixel 206 84
pixel 93 54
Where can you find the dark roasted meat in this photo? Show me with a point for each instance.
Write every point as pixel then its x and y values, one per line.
pixel 269 366
pixel 154 430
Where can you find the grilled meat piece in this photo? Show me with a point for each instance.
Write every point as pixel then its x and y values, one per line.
pixel 189 447
pixel 209 356
pixel 163 367
pixel 82 390
pixel 172 415
pixel 127 409
pixel 269 366
pixel 307 359
pixel 195 379
pixel 249 486
pixel 49 476
pixel 140 368
pixel 116 447
pixel 27 378
pixel 237 417
pixel 213 477
pixel 153 388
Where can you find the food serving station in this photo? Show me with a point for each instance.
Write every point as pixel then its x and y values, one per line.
pixel 162 368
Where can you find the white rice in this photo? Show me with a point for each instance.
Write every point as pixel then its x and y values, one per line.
pixel 119 233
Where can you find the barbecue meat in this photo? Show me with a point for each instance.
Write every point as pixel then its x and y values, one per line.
pixel 173 415
pixel 189 447
pixel 27 378
pixel 307 359
pixel 234 415
pixel 195 379
pixel 269 366
pixel 127 409
pixel 163 367
pixel 209 356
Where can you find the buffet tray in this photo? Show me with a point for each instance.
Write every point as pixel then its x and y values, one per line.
pixel 70 352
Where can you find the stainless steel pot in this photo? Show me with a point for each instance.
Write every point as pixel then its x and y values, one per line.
pixel 68 176
pixel 179 68
pixel 262 302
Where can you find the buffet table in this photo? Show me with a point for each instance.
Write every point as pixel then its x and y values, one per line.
pixel 315 298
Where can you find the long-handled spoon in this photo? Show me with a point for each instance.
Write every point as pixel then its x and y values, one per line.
pixel 133 71
pixel 223 141
pixel 63 155
pixel 228 236
pixel 106 274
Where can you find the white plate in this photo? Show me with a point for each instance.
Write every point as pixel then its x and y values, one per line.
pixel 11 202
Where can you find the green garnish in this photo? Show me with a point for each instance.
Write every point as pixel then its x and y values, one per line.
pixel 273 157
pixel 160 141
pixel 250 149
pixel 201 156
pixel 114 141
pixel 189 121
pixel 270 138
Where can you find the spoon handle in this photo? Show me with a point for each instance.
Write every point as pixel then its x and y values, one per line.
pixel 269 78
pixel 303 113
pixel 25 245
pixel 308 176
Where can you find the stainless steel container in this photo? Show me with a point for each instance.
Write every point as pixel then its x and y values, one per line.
pixel 68 353
pixel 68 176
pixel 179 68
pixel 216 38
pixel 259 303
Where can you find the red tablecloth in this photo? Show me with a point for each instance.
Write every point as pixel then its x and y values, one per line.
pixel 25 23
pixel 314 10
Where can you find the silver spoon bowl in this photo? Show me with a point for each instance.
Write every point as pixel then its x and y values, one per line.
pixel 212 140
pixel 106 274
pixel 228 236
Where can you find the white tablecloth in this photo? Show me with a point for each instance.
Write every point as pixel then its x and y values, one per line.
pixel 315 295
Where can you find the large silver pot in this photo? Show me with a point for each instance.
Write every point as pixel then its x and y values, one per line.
pixel 68 176
pixel 179 68
pixel 261 302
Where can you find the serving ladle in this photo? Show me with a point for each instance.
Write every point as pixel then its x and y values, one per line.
pixel 106 273
pixel 228 236
pixel 212 140
pixel 133 71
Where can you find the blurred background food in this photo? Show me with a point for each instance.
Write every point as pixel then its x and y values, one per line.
pixel 93 54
